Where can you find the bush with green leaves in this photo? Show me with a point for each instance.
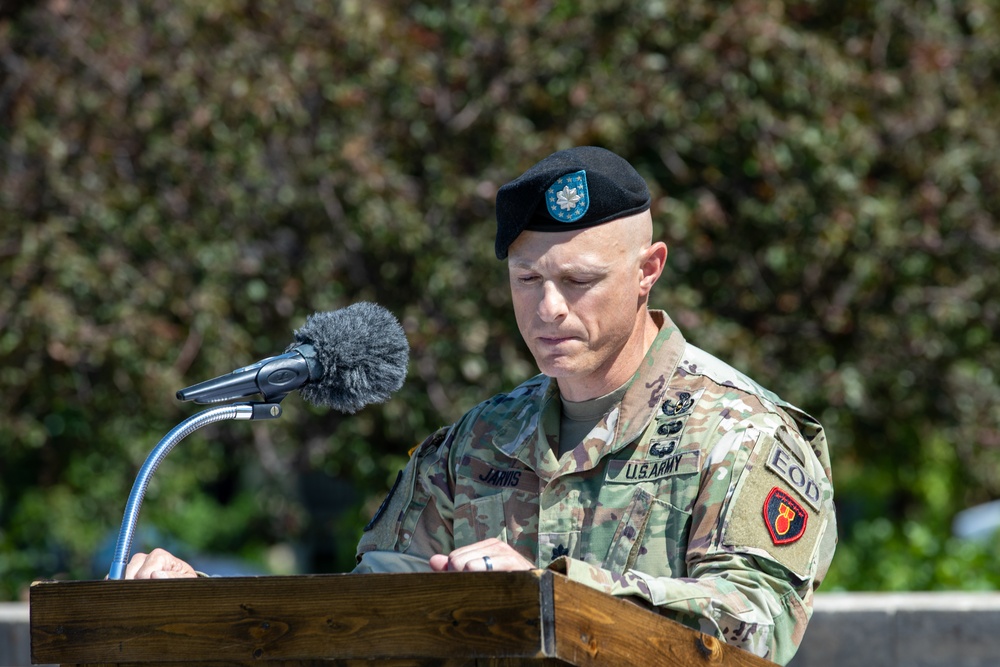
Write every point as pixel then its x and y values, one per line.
pixel 182 183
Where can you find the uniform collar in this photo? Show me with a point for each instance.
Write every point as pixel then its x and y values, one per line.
pixel 531 444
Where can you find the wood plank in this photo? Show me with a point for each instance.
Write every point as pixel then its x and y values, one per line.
pixel 319 617
pixel 494 619
pixel 400 662
pixel 594 629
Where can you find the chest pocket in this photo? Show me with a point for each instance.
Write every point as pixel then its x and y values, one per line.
pixel 652 534
pixel 480 519
pixel 495 500
pixel 651 537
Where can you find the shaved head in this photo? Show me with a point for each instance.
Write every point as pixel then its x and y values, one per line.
pixel 635 231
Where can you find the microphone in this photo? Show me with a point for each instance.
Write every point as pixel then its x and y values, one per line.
pixel 343 359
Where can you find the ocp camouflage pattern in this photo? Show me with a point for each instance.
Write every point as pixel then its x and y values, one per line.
pixel 670 499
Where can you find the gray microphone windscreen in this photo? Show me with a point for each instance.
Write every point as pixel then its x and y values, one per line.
pixel 363 352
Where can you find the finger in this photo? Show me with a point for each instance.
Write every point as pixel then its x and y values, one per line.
pixel 163 562
pixel 500 555
pixel 486 563
pixel 171 574
pixel 469 558
pixel 149 566
pixel 153 561
pixel 134 564
pixel 474 562
pixel 503 560
pixel 488 547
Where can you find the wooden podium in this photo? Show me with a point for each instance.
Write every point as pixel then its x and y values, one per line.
pixel 451 619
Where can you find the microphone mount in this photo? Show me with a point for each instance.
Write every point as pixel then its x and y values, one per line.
pixel 273 378
pixel 235 411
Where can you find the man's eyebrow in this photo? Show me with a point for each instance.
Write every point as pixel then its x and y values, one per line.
pixel 522 264
pixel 564 269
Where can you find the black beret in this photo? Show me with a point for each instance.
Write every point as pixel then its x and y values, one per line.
pixel 571 189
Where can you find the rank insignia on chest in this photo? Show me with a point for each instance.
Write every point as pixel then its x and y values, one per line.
pixel 785 517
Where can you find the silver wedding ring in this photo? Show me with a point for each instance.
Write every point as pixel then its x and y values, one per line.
pixel 489 563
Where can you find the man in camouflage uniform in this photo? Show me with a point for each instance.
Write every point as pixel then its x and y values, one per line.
pixel 636 463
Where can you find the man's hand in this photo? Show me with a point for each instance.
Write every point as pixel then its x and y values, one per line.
pixel 158 564
pixel 491 554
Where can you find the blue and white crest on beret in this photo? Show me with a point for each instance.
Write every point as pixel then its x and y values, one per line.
pixel 568 199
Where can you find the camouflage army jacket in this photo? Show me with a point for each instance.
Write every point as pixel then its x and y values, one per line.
pixel 701 493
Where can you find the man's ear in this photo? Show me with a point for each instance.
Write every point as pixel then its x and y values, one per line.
pixel 651 265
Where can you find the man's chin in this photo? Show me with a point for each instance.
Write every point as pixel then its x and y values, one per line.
pixel 559 367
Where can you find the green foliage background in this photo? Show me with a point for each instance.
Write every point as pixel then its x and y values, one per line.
pixel 182 182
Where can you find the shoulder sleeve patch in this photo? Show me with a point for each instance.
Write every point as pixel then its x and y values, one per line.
pixel 382 532
pixel 767 516
pixel 385 503
pixel 786 520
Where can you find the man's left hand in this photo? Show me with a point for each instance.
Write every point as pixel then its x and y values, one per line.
pixel 491 554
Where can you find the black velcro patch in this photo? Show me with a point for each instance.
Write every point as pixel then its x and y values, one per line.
pixel 385 503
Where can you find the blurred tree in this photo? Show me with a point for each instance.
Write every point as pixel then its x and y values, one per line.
pixel 183 182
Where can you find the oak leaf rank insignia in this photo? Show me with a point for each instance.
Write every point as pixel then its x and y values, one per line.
pixel 568 199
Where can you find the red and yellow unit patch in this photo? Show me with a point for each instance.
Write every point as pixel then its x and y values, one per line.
pixel 785 518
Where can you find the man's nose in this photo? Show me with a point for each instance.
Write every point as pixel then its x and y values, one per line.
pixel 552 306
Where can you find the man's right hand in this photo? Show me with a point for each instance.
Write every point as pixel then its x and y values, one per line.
pixel 158 564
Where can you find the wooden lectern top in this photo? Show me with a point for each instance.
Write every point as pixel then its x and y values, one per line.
pixel 441 618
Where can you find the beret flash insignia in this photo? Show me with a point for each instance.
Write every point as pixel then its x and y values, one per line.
pixel 567 199
pixel 785 518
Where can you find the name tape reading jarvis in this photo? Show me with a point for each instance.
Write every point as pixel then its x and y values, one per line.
pixel 502 477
